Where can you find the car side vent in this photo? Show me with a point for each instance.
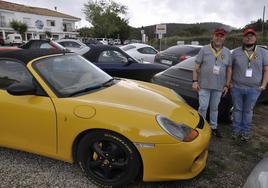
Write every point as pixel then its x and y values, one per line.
pixel 201 122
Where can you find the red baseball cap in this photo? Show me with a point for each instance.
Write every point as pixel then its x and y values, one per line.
pixel 249 30
pixel 219 31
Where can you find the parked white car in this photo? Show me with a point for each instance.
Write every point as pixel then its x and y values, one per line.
pixel 103 40
pixel 142 52
pixel 117 41
pixel 74 45
pixel 13 39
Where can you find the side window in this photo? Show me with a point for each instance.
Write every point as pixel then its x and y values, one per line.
pixel 70 44
pixel 12 72
pixel 111 56
pixel 74 45
pixel 62 43
pixel 147 50
pixel 46 46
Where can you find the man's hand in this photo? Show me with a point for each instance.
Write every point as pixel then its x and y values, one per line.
pixel 196 86
pixel 225 91
pixel 261 88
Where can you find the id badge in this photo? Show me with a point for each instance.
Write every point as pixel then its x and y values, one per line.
pixel 249 73
pixel 216 69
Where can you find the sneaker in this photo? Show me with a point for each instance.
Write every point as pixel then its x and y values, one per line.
pixel 216 133
pixel 245 137
pixel 235 136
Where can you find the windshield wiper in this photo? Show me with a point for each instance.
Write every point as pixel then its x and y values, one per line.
pixel 85 90
pixel 108 83
pixel 105 84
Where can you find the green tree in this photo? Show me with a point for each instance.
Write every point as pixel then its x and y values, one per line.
pixel 195 31
pixel 256 25
pixel 106 18
pixel 48 34
pixel 85 32
pixel 20 27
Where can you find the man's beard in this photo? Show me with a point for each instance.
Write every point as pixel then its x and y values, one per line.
pixel 249 45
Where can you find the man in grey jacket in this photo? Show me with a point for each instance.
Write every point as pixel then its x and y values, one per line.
pixel 249 78
pixel 211 77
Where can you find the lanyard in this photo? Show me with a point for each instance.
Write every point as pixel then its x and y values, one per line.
pixel 215 53
pixel 250 56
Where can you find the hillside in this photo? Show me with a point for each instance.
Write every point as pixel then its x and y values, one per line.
pixel 182 29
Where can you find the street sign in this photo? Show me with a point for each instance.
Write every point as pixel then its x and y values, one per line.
pixel 161 29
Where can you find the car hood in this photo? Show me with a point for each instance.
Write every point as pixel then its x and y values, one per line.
pixel 144 98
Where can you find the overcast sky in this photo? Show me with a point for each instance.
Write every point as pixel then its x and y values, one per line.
pixel 236 13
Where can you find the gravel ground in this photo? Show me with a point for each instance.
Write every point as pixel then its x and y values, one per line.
pixel 228 165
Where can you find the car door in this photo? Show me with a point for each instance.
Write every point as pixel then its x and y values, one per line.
pixel 118 64
pixel 112 62
pixel 27 122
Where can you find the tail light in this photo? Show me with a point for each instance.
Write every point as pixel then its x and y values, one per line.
pixel 183 57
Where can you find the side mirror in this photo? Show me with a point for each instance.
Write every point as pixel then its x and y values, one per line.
pixel 21 89
pixel 129 61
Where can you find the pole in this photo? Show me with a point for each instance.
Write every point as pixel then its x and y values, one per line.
pixel 263 23
pixel 160 44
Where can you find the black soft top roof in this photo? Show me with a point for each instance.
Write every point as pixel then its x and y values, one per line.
pixel 26 56
pixel 95 50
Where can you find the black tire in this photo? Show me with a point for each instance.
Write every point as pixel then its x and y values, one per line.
pixel 108 159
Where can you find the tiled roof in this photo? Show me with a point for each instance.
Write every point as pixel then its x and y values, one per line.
pixel 33 10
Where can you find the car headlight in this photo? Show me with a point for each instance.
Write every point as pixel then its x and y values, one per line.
pixel 180 97
pixel 180 131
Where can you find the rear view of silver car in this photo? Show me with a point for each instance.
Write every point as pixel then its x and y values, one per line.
pixel 176 54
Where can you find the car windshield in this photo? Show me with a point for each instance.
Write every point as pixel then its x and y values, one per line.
pixel 71 74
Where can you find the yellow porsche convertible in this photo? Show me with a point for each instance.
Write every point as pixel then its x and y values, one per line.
pixel 59 105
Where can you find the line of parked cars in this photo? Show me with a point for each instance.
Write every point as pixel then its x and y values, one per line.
pixel 111 59
pixel 145 63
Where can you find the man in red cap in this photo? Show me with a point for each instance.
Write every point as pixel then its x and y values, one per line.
pixel 249 78
pixel 210 79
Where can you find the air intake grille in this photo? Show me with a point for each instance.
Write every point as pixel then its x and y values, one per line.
pixel 201 122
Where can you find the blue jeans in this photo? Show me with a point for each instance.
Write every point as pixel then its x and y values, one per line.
pixel 244 101
pixel 209 98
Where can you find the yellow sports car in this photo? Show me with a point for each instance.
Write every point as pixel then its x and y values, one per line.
pixel 59 105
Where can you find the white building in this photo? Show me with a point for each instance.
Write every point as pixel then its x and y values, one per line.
pixel 39 21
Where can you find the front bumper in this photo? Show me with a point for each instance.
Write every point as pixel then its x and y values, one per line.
pixel 183 160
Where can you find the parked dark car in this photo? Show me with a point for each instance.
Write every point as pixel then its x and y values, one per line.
pixel 179 78
pixel 176 54
pixel 117 63
pixel 42 44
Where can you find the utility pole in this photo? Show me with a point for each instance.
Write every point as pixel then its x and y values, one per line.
pixel 263 22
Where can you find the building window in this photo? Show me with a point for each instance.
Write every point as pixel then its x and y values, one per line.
pixel 55 37
pixel 67 27
pixel 51 23
pixel 2 21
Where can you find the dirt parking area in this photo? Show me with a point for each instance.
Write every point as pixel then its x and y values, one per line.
pixel 228 165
